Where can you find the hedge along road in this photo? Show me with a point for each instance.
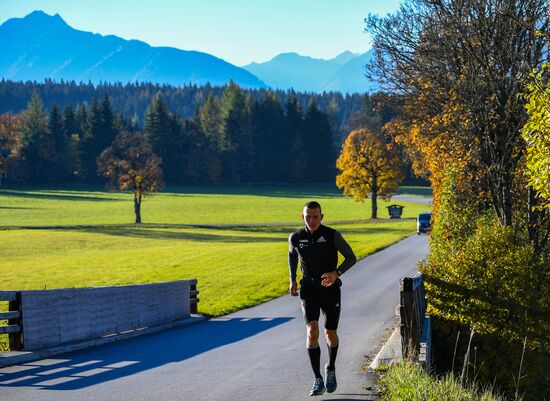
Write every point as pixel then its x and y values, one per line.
pixel 255 354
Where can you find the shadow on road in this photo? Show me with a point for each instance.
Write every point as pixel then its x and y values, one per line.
pixel 86 368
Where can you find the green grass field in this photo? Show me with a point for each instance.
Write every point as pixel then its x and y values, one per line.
pixel 190 205
pixel 236 267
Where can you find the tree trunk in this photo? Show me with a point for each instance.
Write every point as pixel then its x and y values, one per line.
pixel 374 198
pixel 507 201
pixel 137 207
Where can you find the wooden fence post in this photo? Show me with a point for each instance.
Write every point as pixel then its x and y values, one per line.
pixel 193 299
pixel 415 326
pixel 16 339
pixel 13 316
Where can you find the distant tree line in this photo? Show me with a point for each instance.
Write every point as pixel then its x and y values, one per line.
pixel 202 134
pixel 133 99
pixel 230 139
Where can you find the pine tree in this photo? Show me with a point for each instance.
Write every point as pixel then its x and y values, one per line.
pixel 299 166
pixel 271 141
pixel 232 138
pixel 72 133
pixel 37 147
pixel 164 133
pixel 80 119
pixel 58 171
pixel 321 153
pixel 107 126
pixel 89 149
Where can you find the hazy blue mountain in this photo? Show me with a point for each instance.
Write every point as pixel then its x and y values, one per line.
pixel 344 73
pixel 351 77
pixel 344 57
pixel 41 46
pixel 291 70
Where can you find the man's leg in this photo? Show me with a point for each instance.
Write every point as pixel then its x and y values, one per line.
pixel 331 309
pixel 312 345
pixel 311 310
pixel 332 344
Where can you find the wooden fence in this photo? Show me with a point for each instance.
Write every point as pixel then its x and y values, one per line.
pixel 13 316
pixel 415 325
pixel 48 318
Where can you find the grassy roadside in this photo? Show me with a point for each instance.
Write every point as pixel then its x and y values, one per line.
pixel 408 382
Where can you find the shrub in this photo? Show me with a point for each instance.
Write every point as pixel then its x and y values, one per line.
pixel 485 276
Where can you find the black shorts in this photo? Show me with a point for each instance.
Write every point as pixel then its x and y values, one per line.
pixel 316 298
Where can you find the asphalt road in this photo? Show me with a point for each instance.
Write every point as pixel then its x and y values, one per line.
pixel 255 354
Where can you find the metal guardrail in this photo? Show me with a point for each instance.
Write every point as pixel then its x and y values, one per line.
pixel 415 325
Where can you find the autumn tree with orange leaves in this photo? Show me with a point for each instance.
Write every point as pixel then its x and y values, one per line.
pixel 368 166
pixel 130 163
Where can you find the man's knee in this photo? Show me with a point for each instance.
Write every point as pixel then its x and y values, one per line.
pixel 312 329
pixel 332 337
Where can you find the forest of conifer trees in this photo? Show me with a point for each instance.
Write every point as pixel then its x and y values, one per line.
pixel 202 134
pixel 56 131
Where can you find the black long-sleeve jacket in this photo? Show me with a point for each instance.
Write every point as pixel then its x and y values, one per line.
pixel 318 252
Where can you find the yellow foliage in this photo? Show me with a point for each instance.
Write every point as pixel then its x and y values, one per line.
pixel 432 139
pixel 536 133
pixel 368 165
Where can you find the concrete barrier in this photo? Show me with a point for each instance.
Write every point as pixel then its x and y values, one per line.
pixel 50 318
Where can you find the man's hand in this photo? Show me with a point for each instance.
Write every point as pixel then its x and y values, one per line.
pixel 329 279
pixel 293 290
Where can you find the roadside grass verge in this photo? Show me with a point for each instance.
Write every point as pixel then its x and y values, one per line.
pixel 406 381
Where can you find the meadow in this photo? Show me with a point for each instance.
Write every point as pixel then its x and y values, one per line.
pixel 236 266
pixel 76 205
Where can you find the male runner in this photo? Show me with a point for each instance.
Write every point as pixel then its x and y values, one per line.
pixel 317 247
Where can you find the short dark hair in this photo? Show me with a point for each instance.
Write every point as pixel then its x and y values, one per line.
pixel 313 205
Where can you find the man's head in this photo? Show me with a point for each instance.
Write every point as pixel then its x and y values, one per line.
pixel 312 216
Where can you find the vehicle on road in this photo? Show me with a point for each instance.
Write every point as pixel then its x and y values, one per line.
pixel 423 223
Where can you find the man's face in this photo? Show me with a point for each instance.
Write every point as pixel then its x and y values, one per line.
pixel 312 218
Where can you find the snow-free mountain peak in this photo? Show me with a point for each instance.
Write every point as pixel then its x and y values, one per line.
pixel 41 46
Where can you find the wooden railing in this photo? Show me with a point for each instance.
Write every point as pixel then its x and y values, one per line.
pixel 14 329
pixel 415 325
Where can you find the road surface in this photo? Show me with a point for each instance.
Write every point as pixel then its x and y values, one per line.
pixel 255 354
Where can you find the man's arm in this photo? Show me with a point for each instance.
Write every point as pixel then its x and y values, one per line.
pixel 349 257
pixel 349 260
pixel 292 267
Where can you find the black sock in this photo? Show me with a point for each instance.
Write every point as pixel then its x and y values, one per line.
pixel 315 360
pixel 332 351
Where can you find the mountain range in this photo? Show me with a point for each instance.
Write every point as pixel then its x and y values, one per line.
pixel 40 46
pixel 344 73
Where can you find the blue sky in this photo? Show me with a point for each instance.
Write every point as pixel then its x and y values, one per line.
pixel 239 31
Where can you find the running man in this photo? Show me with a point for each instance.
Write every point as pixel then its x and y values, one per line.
pixel 317 247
